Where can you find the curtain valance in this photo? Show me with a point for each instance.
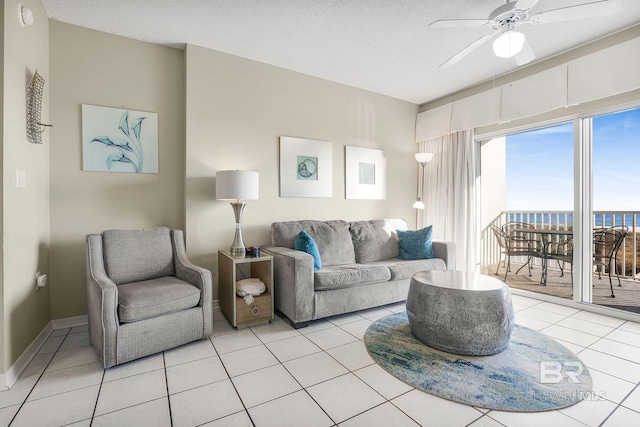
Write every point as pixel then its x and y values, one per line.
pixel 608 72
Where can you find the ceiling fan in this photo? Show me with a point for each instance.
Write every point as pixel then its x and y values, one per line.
pixel 504 20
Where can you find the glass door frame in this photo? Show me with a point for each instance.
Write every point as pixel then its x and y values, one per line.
pixel 582 210
pixel 583 216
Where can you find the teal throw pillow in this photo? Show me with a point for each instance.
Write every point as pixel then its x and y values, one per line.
pixel 305 243
pixel 415 244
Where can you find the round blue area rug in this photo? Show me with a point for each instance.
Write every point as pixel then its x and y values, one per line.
pixel 534 373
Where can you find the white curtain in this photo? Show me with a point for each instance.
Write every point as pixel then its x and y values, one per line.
pixel 449 194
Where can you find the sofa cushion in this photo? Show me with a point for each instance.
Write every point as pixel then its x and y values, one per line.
pixel 135 255
pixel 156 297
pixel 305 243
pixel 332 237
pixel 376 239
pixel 349 275
pixel 416 244
pixel 405 269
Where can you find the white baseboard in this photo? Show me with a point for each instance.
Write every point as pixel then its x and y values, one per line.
pixel 70 322
pixel 13 373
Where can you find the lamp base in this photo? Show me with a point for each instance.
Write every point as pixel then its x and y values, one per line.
pixel 238 252
pixel 238 249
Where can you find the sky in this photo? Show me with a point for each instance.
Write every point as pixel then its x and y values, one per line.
pixel 540 165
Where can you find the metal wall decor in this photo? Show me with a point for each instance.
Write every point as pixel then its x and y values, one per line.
pixel 34 109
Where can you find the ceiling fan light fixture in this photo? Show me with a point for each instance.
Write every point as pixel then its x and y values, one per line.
pixel 508 44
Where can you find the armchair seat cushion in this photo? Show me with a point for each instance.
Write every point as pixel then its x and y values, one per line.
pixel 155 297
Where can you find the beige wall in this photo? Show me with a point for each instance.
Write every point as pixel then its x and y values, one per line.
pixel 237 109
pixel 91 67
pixel 25 230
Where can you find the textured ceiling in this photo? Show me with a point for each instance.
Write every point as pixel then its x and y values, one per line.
pixel 384 46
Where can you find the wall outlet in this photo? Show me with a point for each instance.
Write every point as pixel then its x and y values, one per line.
pixel 21 178
pixel 41 280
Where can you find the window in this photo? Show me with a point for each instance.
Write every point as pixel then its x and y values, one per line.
pixel 529 177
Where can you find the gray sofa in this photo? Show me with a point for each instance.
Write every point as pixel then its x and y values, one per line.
pixel 360 267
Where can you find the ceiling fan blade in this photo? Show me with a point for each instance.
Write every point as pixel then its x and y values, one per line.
pixel 525 56
pixel 583 11
pixel 457 23
pixel 525 4
pixel 464 52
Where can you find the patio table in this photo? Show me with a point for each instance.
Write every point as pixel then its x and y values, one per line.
pixel 545 239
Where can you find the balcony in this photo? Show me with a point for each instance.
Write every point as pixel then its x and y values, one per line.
pixel 627 296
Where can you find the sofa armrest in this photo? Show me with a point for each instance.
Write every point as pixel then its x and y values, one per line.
pixel 197 276
pixel 447 252
pixel 293 276
pixel 102 303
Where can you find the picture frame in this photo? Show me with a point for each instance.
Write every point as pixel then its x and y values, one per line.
pixel 365 173
pixel 305 167
pixel 119 140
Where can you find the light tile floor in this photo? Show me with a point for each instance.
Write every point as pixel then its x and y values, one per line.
pixel 321 375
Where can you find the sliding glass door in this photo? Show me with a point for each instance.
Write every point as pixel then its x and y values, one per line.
pixel 576 187
pixel 615 171
pixel 536 193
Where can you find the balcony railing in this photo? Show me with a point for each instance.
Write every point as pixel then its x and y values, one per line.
pixel 628 262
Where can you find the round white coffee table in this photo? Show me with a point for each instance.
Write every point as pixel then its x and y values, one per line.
pixel 460 312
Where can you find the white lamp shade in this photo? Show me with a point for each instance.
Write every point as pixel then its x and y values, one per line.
pixel 418 204
pixel 237 185
pixel 508 44
pixel 424 157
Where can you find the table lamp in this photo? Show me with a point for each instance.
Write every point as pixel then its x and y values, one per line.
pixel 237 185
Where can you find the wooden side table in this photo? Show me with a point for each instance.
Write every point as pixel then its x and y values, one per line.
pixel 232 269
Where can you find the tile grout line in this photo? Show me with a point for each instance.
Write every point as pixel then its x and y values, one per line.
pixel 349 371
pixel 302 388
pixel 482 415
pixel 246 410
pixel 58 349
pixel 39 376
pixel 95 406
pixel 617 405
pixel 400 409
pixel 166 382
pixel 620 404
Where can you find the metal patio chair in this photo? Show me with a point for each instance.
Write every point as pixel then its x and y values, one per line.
pixel 515 244
pixel 606 243
pixel 562 252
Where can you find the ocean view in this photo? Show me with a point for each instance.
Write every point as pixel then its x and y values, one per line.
pixel 562 219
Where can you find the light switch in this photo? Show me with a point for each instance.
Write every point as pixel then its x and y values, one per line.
pixel 21 178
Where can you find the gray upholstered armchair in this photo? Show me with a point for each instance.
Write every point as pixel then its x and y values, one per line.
pixel 143 294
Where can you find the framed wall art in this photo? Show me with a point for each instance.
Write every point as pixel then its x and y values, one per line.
pixel 365 173
pixel 305 168
pixel 117 140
